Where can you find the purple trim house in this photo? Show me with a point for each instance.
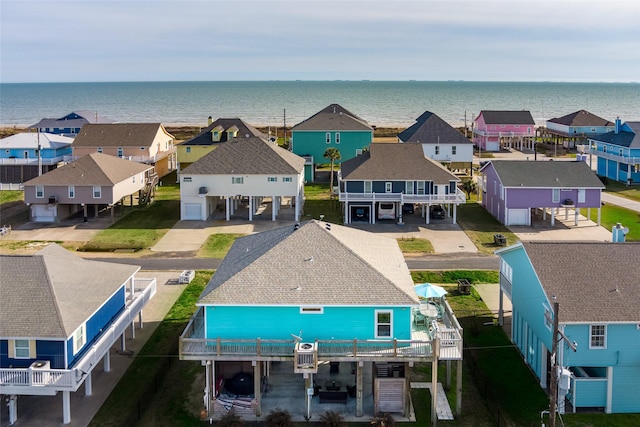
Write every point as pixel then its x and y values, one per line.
pixel 510 189
pixel 494 130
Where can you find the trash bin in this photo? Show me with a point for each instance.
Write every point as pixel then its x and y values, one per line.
pixel 499 239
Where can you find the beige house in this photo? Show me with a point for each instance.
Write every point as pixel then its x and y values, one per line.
pixel 91 183
pixel 147 143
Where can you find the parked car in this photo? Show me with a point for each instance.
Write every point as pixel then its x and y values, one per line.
pixel 408 208
pixel 361 214
pixel 386 211
pixel 437 212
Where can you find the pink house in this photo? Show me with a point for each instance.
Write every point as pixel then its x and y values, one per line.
pixel 496 130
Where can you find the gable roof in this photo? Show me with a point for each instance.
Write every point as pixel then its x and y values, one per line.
pixel 431 129
pixel 545 174
pixel 247 156
pixel 333 117
pixel 30 140
pixel 598 282
pixel 50 294
pixel 119 135
pixel 581 118
pixel 75 119
pixel 392 161
pixel 312 263
pixel 495 117
pixel 204 137
pixel 92 169
pixel 628 136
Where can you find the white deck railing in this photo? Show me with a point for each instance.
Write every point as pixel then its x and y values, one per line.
pixel 458 197
pixel 20 380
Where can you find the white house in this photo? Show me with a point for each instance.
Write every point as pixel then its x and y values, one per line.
pixel 242 173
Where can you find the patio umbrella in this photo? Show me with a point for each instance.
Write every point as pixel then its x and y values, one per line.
pixel 427 290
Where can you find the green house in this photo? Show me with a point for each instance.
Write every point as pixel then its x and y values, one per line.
pixel 332 127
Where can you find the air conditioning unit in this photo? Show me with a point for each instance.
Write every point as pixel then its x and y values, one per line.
pixel 41 364
pixel 306 347
pixel 53 199
pixel 37 377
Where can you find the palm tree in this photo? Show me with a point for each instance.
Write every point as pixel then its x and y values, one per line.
pixel 332 154
pixel 469 186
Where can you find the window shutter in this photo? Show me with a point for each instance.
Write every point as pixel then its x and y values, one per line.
pixel 12 349
pixel 32 349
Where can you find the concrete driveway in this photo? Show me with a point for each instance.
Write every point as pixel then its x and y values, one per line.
pixel 563 230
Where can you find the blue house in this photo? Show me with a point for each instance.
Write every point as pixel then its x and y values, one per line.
pixel 70 124
pixel 383 182
pixel 27 155
pixel 323 312
pixel 60 316
pixel 596 287
pixel 331 127
pixel 575 128
pixel 618 152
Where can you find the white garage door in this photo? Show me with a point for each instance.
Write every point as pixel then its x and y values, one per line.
pixel 518 217
pixel 192 211
pixel 44 213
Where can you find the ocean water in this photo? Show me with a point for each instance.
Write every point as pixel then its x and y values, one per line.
pixel 262 103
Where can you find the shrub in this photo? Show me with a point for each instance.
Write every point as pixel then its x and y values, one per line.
pixel 332 419
pixel 279 418
pixel 230 419
pixel 383 419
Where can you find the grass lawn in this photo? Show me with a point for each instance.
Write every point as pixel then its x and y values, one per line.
pixel 620 189
pixel 412 245
pixel 217 245
pixel 7 196
pixel 480 226
pixel 452 276
pixel 611 214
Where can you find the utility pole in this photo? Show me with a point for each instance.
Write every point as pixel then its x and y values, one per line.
pixel 553 386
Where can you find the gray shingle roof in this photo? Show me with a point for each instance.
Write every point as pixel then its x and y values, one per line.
pixel 581 118
pixel 247 156
pixel 118 135
pixel 391 161
pixel 507 117
pixel 92 169
pixel 312 265
pixel 623 138
pixel 204 137
pixel 50 294
pixel 333 117
pixel 545 174
pixel 75 119
pixel 431 129
pixel 592 282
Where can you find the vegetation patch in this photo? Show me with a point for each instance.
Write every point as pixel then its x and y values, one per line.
pixel 452 276
pixel 611 215
pixel 620 189
pixel 480 226
pixel 7 196
pixel 413 245
pixel 217 245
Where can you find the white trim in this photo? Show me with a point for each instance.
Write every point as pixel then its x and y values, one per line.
pixel 16 348
pixel 79 338
pixel 39 191
pixel 377 325
pixel 98 192
pixel 603 335
pixel 72 191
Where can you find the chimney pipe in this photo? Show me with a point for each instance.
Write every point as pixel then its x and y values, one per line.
pixel 210 121
pixel 618 124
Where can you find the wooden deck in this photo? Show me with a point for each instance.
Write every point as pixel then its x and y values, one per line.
pixel 443 409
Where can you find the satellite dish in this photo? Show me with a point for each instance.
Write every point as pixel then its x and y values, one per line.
pixel 625 230
pixel 296 337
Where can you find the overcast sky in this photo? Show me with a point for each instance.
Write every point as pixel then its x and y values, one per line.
pixel 135 40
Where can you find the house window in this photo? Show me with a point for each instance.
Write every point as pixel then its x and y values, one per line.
pixel 548 317
pixel 604 148
pixel 420 187
pixel 287 179
pixel 237 180
pixel 383 324
pixel 408 187
pixel 368 187
pixel 528 130
pixel 598 336
pixel 311 310
pixel 79 338
pixel 593 129
pixel 454 150
pixel 188 149
pixel 437 148
pixel 72 191
pixel 328 138
pixel 337 137
pixel 388 187
pixel 620 151
pixel 582 193
pixel 39 192
pixel 358 152
pixel 495 188
pixel 506 270
pixel 555 197
pixel 272 179
pixel 120 152
pixel 97 192
pixel 133 179
pixel 99 149
pixel 501 192
pixel 636 168
pixel 22 349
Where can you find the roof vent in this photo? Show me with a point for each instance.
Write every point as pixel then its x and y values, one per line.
pixel 295 227
pixel 327 226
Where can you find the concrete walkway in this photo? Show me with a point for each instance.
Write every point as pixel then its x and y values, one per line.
pixel 621 201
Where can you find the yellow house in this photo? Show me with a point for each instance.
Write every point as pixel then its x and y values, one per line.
pixel 208 140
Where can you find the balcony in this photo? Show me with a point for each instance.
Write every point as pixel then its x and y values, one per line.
pixel 194 346
pixel 458 197
pixel 32 161
pixel 615 157
pixel 47 382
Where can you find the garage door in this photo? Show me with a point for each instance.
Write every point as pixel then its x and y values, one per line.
pixel 518 217
pixel 192 211
pixel 44 213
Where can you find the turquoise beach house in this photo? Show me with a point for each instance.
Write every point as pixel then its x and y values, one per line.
pixel 597 289
pixel 317 315
pixel 618 152
pixel 332 127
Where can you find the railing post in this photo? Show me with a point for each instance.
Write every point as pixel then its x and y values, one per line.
pixel 258 349
pixel 355 347
pixel 395 347
pixel 218 346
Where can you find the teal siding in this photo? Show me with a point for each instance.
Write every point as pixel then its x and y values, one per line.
pixel 340 323
pixel 314 143
pixel 590 393
pixel 625 385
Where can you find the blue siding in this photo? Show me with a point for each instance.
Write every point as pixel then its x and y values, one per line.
pixel 355 187
pixel 590 393
pixel 314 143
pixel 341 323
pixel 45 350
